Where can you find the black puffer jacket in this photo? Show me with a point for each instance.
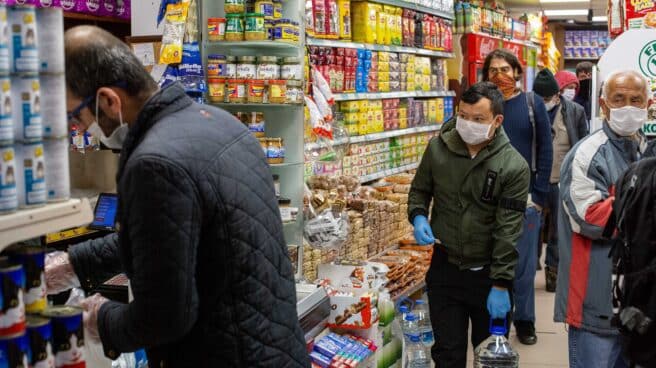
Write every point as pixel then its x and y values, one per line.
pixel 201 240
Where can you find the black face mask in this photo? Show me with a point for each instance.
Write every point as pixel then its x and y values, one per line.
pixel 584 89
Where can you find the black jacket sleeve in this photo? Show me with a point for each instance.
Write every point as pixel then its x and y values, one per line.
pixel 544 149
pixel 421 190
pixel 581 121
pixel 95 261
pixel 162 230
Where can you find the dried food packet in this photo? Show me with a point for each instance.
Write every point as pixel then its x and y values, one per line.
pixel 174 28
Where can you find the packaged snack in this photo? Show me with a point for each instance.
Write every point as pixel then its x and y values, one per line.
pixel 174 27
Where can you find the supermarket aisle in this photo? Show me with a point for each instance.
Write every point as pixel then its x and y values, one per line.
pixel 551 349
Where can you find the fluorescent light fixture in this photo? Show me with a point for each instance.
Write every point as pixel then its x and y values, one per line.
pixel 565 12
pixel 563 1
pixel 600 18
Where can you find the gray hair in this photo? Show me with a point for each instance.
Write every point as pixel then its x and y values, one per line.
pixel 615 74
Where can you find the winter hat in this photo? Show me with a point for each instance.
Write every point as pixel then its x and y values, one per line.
pixel 565 78
pixel 545 85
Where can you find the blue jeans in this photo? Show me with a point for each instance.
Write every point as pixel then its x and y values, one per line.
pixel 554 205
pixel 590 350
pixel 527 247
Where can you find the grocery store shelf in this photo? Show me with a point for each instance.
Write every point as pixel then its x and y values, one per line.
pixel 409 5
pixel 248 48
pixel 411 290
pixel 32 223
pixel 287 164
pixel 253 106
pixel 525 43
pixel 94 18
pixel 382 95
pixel 374 47
pixel 388 172
pixel 581 58
pixel 379 136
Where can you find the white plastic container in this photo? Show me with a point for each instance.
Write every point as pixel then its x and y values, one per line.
pixel 6 120
pixel 4 41
pixel 26 108
pixel 53 105
pixel 31 177
pixel 24 38
pixel 58 184
pixel 8 174
pixel 50 23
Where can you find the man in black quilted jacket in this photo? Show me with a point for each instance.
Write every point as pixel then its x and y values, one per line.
pixel 200 235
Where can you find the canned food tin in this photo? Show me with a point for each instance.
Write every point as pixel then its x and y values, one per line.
pixel 31 178
pixel 58 185
pixel 6 121
pixel 15 351
pixel 4 41
pixel 24 51
pixel 12 316
pixel 33 261
pixel 8 173
pixel 26 108
pixel 68 335
pixel 53 106
pixel 39 332
pixel 51 43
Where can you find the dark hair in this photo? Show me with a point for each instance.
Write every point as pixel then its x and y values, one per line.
pixel 485 90
pixel 506 55
pixel 103 61
pixel 584 67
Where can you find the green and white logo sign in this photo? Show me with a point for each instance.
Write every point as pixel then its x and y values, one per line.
pixel 649 128
pixel 647 60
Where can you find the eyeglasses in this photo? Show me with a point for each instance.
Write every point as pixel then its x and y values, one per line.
pixel 75 114
pixel 503 69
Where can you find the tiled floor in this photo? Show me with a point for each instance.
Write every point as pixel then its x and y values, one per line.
pixel 551 349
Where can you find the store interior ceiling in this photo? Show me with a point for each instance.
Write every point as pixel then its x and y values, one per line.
pixel 575 11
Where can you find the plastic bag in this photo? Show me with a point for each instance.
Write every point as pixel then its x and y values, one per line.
pixel 319 126
pixel 326 224
pixel 323 85
pixel 322 104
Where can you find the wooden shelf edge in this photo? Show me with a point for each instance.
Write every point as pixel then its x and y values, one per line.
pixel 94 18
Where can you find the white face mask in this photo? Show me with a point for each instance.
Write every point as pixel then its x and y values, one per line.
pixel 472 132
pixel 116 139
pixel 569 93
pixel 627 120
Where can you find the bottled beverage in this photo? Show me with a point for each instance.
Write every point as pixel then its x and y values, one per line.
pixel 496 352
pixel 409 326
pixel 417 355
pixel 397 325
pixel 424 323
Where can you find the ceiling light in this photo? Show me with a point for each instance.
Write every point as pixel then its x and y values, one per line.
pixel 563 1
pixel 600 18
pixel 565 12
pixel 570 21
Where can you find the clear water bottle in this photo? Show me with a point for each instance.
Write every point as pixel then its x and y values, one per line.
pixel 424 323
pixel 397 325
pixel 496 352
pixel 409 326
pixel 416 354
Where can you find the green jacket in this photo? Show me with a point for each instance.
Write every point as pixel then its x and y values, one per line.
pixel 478 204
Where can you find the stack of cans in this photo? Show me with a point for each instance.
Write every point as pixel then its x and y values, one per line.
pixel 32 334
pixel 33 128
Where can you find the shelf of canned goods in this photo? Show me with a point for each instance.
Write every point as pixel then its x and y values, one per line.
pixel 35 222
pixel 376 47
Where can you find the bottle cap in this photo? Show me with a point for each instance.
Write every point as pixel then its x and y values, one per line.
pixel 414 338
pixel 410 317
pixel 498 330
pixel 420 302
pixel 404 309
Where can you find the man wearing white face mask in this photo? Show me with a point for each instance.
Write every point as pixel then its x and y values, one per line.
pixel 587 191
pixel 475 222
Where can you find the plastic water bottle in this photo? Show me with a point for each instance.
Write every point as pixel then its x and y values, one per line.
pixel 496 352
pixel 397 325
pixel 417 355
pixel 424 323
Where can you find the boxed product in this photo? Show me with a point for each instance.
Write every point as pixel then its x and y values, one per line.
pixel 640 14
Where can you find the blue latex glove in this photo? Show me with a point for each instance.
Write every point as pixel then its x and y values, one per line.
pixel 498 303
pixel 423 232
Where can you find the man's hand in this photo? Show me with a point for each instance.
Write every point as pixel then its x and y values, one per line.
pixel 423 232
pixel 498 303
pixel 59 272
pixel 91 306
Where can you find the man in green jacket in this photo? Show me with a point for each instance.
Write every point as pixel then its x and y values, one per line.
pixel 479 187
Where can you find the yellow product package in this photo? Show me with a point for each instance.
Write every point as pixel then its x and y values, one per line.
pixel 344 7
pixel 173 35
pixel 349 106
pixel 432 111
pixel 364 105
pixel 381 25
pixel 440 110
pixel 391 24
pixel 363 20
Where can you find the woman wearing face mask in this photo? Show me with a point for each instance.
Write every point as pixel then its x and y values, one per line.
pixel 529 130
pixel 568 126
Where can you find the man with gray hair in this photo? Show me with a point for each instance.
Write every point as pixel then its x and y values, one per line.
pixel 587 190
pixel 200 233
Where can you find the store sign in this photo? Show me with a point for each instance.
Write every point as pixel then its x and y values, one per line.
pixel 480 47
pixel 650 128
pixel 647 60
